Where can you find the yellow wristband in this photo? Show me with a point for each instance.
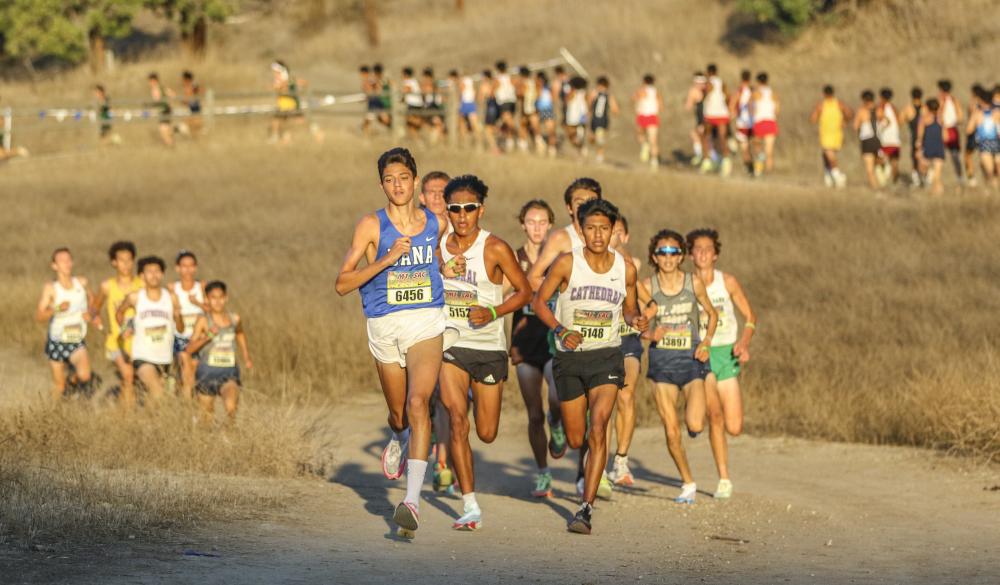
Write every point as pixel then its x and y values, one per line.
pixel 751 326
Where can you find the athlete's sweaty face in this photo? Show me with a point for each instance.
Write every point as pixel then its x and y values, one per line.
pixel 152 275
pixel 578 198
pixel 703 253
pixel 123 262
pixel 187 268
pixel 397 183
pixel 432 196
pixel 597 230
pixel 217 300
pixel 536 225
pixel 464 222
pixel 62 263
pixel 668 263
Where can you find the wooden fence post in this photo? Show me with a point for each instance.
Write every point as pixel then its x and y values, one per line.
pixel 451 117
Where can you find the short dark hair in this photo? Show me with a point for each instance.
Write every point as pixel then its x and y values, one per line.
pixel 501 66
pixel 429 71
pixel 762 77
pixel 885 93
pixel 603 80
pixel 121 246
pixel 745 75
pixel 916 93
pixel 433 176
pixel 648 79
pixel 704 233
pixel 151 260
pixel 364 69
pixel 624 223
pixel 578 82
pixel 487 74
pixel 944 85
pixel 398 155
pixel 60 250
pixel 559 69
pixel 598 207
pixel 867 95
pixel 187 75
pixel 216 284
pixel 377 68
pixel 585 183
pixel 535 204
pixel 933 105
pixel 453 73
pixel 828 90
pixel 665 234
pixel 469 183
pixel 712 69
pixel 99 88
pixel 408 71
pixel 524 71
pixel 153 76
pixel 185 254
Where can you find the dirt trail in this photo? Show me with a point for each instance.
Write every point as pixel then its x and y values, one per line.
pixel 805 512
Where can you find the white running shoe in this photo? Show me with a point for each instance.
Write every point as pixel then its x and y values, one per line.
pixel 394 459
pixel 644 152
pixel 407 519
pixel 604 487
pixel 471 520
pixel 828 179
pixel 688 492
pixel 620 473
pixel 724 491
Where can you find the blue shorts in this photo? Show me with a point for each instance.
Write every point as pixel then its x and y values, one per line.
pixel 180 344
pixel 467 108
pixel 632 347
pixel 673 367
pixel 209 380
pixel 58 351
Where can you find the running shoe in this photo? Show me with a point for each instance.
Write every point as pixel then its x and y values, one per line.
pixel 688 492
pixel 724 491
pixel 604 487
pixel 580 523
pixel 557 441
pixel 471 520
pixel 620 473
pixel 443 478
pixel 394 459
pixel 706 166
pixel 407 519
pixel 693 434
pixel 828 179
pixel 696 161
pixel 644 153
pixel 543 485
pixel 726 167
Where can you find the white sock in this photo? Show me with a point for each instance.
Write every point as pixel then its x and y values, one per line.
pixel 697 149
pixel 402 436
pixel 415 470
pixel 469 501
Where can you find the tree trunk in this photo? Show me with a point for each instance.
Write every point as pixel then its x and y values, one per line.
pixel 371 22
pixel 460 6
pixel 199 37
pixel 96 52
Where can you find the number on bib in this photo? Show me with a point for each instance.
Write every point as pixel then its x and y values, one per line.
pixel 408 288
pixel 593 326
pixel 675 337
pixel 223 355
pixel 458 303
pixel 157 334
pixel 72 334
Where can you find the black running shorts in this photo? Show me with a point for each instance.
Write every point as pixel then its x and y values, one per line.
pixel 578 372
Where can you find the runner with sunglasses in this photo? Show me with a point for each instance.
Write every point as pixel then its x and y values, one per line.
pixel 597 292
pixel 676 354
pixel 475 305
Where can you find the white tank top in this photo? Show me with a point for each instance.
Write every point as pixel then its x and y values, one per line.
pixel 575 241
pixel 154 329
pixel 591 305
pixel 474 288
pixel 867 130
pixel 725 331
pixel 189 310
pixel 468 90
pixel 888 130
pixel 715 101
pixel 530 96
pixel 576 110
pixel 949 115
pixel 412 96
pixel 743 117
pixel 763 108
pixel 647 104
pixel 505 93
pixel 69 326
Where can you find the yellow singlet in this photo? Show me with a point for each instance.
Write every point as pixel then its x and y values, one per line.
pixel 116 295
pixel 831 125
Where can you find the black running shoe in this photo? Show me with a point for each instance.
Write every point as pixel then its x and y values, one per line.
pixel 580 523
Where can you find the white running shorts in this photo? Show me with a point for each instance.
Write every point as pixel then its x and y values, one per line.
pixel 391 336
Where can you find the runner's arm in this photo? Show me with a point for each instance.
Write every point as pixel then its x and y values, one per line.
pixel 127 304
pixel 90 314
pixel 613 103
pixel 241 341
pixel 701 354
pixel 742 347
pixel 351 277
pixel 46 309
pixel 178 318
pixel 555 244
pixel 98 304
pixel 556 279
pixel 971 126
pixel 635 317
pixel 199 337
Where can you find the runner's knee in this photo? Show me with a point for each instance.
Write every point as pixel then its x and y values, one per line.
pixel 487 434
pixel 734 427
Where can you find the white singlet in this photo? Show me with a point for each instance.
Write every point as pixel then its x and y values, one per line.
pixel 949 115
pixel 715 100
pixel 591 305
pixel 69 326
pixel 468 90
pixel 725 331
pixel 743 118
pixel 412 96
pixel 473 288
pixel 575 241
pixel 888 129
pixel 154 329
pixel 505 92
pixel 647 104
pixel 189 311
pixel 576 109
pixel 763 107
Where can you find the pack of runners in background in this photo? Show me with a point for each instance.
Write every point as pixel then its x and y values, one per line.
pixel 436 285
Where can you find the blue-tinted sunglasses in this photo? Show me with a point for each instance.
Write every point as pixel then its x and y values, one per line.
pixel 668 251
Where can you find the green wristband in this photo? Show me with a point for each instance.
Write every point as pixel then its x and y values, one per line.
pixel 492 310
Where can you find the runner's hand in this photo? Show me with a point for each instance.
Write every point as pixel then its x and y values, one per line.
pixel 248 364
pixel 400 248
pixel 63 306
pixel 454 267
pixel 701 354
pixel 194 300
pixel 742 352
pixel 572 340
pixel 98 322
pixel 640 323
pixel 479 316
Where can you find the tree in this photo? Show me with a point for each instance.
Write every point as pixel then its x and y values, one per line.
pixel 41 28
pixel 788 15
pixel 104 19
pixel 193 16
